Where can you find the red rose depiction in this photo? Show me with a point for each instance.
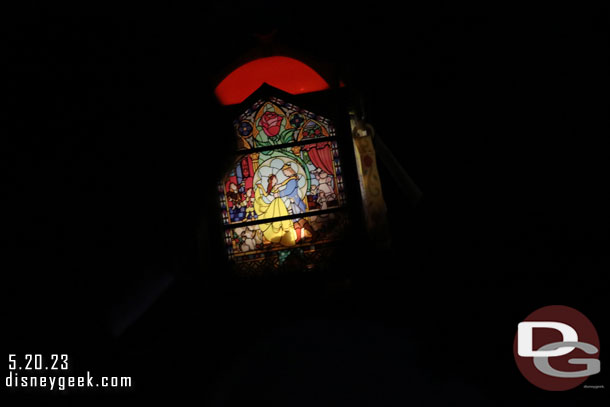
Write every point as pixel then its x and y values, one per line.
pixel 271 122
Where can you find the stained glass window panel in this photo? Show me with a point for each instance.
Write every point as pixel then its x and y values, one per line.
pixel 306 178
pixel 284 195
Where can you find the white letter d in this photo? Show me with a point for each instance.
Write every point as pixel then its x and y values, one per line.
pixel 525 338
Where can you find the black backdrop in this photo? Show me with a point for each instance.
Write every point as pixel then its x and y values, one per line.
pixel 497 113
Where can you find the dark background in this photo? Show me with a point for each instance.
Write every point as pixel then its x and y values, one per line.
pixel 498 113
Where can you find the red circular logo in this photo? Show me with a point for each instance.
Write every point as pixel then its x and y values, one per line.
pixel 556 348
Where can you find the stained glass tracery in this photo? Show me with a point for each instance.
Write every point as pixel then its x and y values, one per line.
pixel 284 194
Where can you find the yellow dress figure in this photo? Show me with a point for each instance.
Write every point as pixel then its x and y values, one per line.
pixel 281 231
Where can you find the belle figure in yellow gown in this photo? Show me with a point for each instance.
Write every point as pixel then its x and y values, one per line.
pixel 268 204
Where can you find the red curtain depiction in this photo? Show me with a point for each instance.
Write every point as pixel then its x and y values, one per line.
pixel 320 155
pixel 287 74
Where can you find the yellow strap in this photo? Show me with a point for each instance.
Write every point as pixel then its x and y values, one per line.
pixel 375 210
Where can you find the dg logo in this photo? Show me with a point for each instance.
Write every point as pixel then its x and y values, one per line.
pixel 556 348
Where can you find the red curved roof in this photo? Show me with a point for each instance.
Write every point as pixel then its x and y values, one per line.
pixel 288 74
